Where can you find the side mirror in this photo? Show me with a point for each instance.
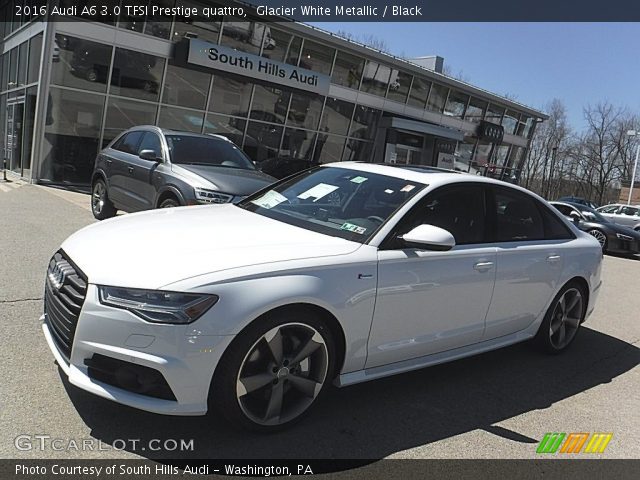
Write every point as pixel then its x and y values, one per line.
pixel 429 237
pixel 149 155
pixel 575 216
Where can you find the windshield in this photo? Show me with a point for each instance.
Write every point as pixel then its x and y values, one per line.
pixel 340 202
pixel 590 214
pixel 194 150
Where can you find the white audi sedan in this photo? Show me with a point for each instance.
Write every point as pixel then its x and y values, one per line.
pixel 342 274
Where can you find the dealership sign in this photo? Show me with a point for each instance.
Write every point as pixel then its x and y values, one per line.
pixel 206 54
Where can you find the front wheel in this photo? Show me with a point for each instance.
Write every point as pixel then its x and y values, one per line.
pixel 274 372
pixel 562 321
pixel 101 206
pixel 169 203
pixel 600 236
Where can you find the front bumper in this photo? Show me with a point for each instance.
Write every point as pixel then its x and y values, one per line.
pixel 186 362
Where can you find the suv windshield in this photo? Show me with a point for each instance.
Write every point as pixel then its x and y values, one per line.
pixel 590 214
pixel 213 151
pixel 340 202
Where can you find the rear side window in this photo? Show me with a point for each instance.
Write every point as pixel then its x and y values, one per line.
pixel 129 143
pixel 517 217
pixel 554 229
pixel 610 209
pixel 629 211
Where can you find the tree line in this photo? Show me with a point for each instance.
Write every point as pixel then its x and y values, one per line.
pixel 590 163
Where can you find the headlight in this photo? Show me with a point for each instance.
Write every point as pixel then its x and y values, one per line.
pixel 626 238
pixel 204 195
pixel 156 305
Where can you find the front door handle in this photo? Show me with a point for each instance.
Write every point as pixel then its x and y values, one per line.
pixel 130 169
pixel 483 266
pixel 109 161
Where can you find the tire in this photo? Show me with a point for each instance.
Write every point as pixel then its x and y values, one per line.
pixel 562 321
pixel 169 203
pixel 92 75
pixel 600 236
pixel 101 206
pixel 289 356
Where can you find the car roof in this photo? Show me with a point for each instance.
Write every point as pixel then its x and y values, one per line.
pixel 169 131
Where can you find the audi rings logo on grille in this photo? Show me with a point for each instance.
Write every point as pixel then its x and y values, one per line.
pixel 56 275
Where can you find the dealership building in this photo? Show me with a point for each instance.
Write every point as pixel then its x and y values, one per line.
pixel 67 88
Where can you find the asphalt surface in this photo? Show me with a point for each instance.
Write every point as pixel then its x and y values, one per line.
pixel 495 405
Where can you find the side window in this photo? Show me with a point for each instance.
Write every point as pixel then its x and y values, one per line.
pixel 459 210
pixel 129 143
pixel 564 210
pixel 554 229
pixel 629 211
pixel 610 209
pixel 151 141
pixel 517 217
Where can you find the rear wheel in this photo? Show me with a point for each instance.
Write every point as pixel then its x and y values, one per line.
pixel 274 372
pixel 101 206
pixel 92 75
pixel 562 321
pixel 600 236
pixel 169 203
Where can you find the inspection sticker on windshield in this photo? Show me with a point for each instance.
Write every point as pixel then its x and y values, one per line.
pixel 407 188
pixel 353 228
pixel 359 179
pixel 269 199
pixel 317 192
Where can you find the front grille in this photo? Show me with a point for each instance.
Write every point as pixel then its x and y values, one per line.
pixel 65 291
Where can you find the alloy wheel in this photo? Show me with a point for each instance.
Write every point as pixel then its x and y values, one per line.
pixel 565 319
pixel 282 374
pixel 98 198
pixel 601 237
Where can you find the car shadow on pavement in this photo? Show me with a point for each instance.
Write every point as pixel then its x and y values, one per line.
pixel 375 419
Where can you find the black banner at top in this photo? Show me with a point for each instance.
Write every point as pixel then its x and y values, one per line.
pixel 331 10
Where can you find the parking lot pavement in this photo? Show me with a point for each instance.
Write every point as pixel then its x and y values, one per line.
pixel 495 405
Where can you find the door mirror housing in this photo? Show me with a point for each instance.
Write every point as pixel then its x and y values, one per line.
pixel 429 237
pixel 149 155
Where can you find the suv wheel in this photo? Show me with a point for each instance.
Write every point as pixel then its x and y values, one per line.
pixel 274 372
pixel 101 206
pixel 169 203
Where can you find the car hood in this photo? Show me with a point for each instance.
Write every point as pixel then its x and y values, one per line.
pixel 612 228
pixel 155 248
pixel 235 181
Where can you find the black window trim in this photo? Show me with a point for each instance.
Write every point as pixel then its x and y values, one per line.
pixel 130 132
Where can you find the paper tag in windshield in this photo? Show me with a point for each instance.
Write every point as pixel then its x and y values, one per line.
pixel 317 192
pixel 407 188
pixel 353 228
pixel 359 179
pixel 269 199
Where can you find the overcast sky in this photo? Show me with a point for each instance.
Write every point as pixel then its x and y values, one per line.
pixel 579 63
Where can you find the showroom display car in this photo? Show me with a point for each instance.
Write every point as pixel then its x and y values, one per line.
pixel 344 273
pixel 149 167
pixel 613 238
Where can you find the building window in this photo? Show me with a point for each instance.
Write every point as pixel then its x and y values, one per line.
pixel 298 143
pixel 365 122
pixel 456 104
pixel 270 104
pixel 185 87
pixel 23 53
pixel 328 148
pixel 4 73
pixel 71 135
pixel 524 126
pixel 509 122
pixel 230 95
pixel 230 127
pixel 357 151
pixel 375 78
pixel 158 26
pixel 437 98
pixel 281 46
pixel 242 35
pixel 262 140
pixel 83 64
pixel 494 114
pixel 419 92
pixel 124 113
pixel 475 110
pixel 208 31
pixel 463 156
pixel 347 70
pixel 399 86
pixel 337 116
pixel 182 119
pixel 35 52
pixel 136 74
pixel 316 57
pixel 304 110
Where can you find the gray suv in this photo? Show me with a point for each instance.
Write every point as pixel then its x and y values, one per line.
pixel 149 167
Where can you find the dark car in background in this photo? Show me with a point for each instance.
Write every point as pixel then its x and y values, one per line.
pixel 612 237
pixel 578 200
pixel 148 167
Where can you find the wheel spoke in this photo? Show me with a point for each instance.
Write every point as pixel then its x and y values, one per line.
pixel 572 304
pixel 563 304
pixel 275 345
pixel 308 348
pixel 254 382
pixel 562 334
pixel 274 408
pixel 555 324
pixel 307 386
pixel 573 322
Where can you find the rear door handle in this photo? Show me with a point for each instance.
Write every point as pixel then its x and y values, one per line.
pixel 553 258
pixel 130 169
pixel 483 266
pixel 109 161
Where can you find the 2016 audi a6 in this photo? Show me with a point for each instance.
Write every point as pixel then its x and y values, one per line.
pixel 342 274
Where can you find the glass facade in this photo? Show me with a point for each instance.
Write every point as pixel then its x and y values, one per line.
pixel 97 90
